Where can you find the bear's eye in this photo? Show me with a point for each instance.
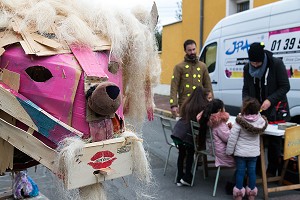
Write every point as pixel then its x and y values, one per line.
pixel 39 73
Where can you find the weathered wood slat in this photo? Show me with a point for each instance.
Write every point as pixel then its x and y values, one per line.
pixel 28 144
pixel 33 116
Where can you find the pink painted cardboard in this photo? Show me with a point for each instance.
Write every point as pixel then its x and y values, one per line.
pixel 63 95
pixel 56 95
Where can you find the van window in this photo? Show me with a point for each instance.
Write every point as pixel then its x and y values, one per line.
pixel 209 56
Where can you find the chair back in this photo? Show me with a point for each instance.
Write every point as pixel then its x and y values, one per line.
pixel 211 141
pixel 166 126
pixel 195 134
pixel 207 138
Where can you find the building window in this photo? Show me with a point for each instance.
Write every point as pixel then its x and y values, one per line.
pixel 242 6
pixel 236 6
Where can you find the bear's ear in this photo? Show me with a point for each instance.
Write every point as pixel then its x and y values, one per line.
pixel 154 16
pixel 105 99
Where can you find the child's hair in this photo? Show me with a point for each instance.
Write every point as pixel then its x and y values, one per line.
pixel 250 106
pixel 194 104
pixel 212 107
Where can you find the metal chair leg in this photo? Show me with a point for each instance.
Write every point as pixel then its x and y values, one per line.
pixel 205 167
pixel 167 160
pixel 194 168
pixel 216 181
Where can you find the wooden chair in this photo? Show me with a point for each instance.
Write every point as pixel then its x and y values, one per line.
pixel 167 126
pixel 203 152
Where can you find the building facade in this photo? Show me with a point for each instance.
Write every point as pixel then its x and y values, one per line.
pixel 198 18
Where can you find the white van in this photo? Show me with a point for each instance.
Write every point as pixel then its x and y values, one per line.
pixel 225 50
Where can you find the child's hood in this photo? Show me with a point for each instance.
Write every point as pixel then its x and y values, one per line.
pixel 218 118
pixel 251 118
pixel 255 124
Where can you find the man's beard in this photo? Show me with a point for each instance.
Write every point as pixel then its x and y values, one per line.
pixel 192 56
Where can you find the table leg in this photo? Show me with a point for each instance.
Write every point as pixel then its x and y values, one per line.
pixel 299 167
pixel 283 171
pixel 263 169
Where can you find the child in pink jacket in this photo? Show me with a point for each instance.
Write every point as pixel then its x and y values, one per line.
pixel 216 118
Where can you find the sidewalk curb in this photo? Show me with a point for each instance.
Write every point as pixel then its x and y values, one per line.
pixel 162 112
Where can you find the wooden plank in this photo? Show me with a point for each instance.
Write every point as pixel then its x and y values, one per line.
pixel 10 105
pixel 30 131
pixel 6 155
pixel 263 169
pixel 33 116
pixel 120 156
pixel 114 154
pixel 6 149
pixel 27 144
pixel 284 188
pixel 283 171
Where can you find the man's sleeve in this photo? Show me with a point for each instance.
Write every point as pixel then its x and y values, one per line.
pixel 175 82
pixel 283 83
pixel 206 80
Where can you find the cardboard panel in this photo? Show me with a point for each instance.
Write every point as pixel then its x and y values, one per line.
pixel 65 72
pixel 11 79
pixel 9 37
pixel 88 61
pixel 291 142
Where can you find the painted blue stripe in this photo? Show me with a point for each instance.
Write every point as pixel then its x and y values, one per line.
pixel 44 123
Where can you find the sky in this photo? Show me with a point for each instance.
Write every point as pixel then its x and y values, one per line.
pixel 166 8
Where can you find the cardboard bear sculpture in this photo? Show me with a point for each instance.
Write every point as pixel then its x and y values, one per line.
pixel 75 70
